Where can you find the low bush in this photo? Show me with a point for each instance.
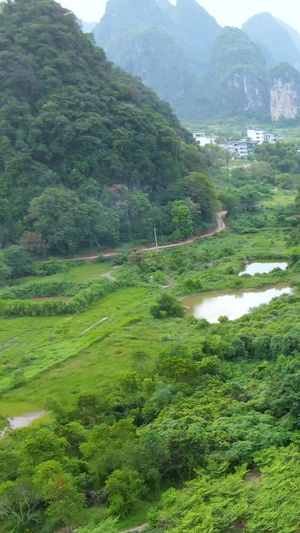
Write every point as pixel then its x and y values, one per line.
pixel 18 260
pixel 48 268
pixel 167 306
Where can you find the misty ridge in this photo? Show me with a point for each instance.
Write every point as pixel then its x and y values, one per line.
pixel 203 70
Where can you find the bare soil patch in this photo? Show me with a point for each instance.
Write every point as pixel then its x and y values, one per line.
pixel 238 525
pixel 254 476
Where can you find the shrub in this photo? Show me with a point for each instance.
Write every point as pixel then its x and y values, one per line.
pixel 123 488
pixel 193 284
pixel 101 259
pixel 5 272
pixel 18 260
pixel 153 516
pixel 159 277
pixel 47 268
pixel 223 319
pixel 119 259
pixel 167 305
pixel 202 323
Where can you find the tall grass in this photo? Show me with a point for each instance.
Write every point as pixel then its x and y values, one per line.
pixel 80 302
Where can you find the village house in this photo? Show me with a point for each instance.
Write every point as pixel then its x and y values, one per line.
pixel 202 140
pixel 260 136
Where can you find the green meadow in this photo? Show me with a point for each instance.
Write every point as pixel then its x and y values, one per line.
pixel 178 398
pixel 46 358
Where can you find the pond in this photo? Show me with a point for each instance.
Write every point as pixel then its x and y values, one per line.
pixel 263 267
pixel 233 304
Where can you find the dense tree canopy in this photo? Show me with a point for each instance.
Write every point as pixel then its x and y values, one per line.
pixel 72 126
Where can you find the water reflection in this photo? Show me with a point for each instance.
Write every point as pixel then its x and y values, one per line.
pixel 263 267
pixel 232 304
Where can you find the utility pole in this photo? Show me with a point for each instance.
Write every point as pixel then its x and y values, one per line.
pixel 227 161
pixel 155 236
pixel 162 235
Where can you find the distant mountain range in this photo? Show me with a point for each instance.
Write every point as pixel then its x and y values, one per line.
pixel 201 69
pixel 87 27
pixel 277 40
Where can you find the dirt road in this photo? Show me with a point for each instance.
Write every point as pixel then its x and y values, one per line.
pixel 219 227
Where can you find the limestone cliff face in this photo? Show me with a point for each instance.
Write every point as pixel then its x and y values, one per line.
pixel 245 87
pixel 237 76
pixel 284 92
pixel 283 100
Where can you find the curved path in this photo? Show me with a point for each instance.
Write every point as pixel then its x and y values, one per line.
pixel 219 227
pixel 26 420
pixel 137 529
pixel 18 422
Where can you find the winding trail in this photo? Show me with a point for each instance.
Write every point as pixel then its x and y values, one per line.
pixel 18 422
pixel 218 228
pixel 137 529
pixel 109 275
pixel 25 420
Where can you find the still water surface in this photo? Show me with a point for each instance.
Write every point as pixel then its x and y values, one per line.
pixel 263 267
pixel 232 304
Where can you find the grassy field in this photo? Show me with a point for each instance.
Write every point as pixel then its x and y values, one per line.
pixel 280 199
pixel 34 346
pixel 86 271
pixel 48 357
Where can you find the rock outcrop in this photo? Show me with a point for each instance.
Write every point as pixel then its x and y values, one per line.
pixel 237 76
pixel 284 92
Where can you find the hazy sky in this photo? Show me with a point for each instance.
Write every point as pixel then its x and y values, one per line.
pixel 229 12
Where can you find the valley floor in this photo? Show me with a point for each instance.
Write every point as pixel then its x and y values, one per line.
pixel 213 393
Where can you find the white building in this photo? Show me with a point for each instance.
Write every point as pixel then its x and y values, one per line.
pixel 245 147
pixel 272 138
pixel 202 140
pixel 260 136
pixel 240 148
pixel 256 135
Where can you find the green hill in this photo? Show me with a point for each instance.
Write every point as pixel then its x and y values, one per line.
pixel 72 121
pixel 204 72
pixel 167 46
pixel 237 76
pixel 235 84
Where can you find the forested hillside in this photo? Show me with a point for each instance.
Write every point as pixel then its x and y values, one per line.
pixel 88 154
pixel 236 82
pixel 188 25
pixel 168 47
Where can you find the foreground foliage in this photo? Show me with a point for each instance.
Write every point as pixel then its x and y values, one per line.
pixel 146 405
